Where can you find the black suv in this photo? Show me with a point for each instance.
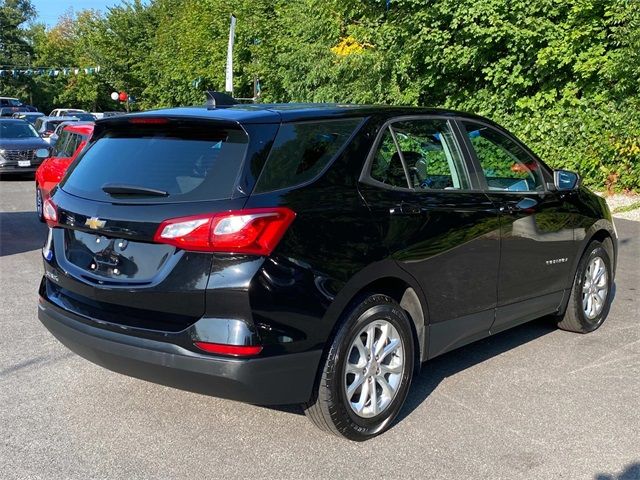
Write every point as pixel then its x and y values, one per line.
pixel 313 254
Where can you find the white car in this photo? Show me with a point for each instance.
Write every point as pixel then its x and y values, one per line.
pixel 66 112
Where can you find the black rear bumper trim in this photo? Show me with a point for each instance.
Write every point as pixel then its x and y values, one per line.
pixel 278 380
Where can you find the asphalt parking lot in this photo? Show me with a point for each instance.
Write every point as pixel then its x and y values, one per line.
pixel 533 402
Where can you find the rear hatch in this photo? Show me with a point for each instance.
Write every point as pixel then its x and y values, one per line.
pixel 135 174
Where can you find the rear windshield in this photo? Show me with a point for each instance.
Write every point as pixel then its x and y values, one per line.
pixel 84 117
pixel 53 124
pixel 189 161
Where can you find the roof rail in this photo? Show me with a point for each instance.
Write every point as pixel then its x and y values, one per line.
pixel 219 99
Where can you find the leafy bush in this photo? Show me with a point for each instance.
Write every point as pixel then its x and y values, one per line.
pixel 563 76
pixel 601 141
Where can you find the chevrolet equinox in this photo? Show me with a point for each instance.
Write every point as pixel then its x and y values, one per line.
pixel 314 254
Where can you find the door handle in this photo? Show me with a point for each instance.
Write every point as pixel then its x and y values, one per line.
pixel 405 209
pixel 526 205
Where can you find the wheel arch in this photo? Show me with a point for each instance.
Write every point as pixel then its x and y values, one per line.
pixel 385 277
pixel 601 231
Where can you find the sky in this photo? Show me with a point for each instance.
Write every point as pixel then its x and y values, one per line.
pixel 48 11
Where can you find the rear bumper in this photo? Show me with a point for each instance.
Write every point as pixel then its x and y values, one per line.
pixel 274 380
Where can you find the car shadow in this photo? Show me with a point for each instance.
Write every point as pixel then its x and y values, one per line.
pixel 17 177
pixel 435 371
pixel 631 472
pixel 20 232
pixel 438 369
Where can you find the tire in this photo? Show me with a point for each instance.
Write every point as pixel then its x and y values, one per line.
pixel 584 314
pixel 39 201
pixel 346 367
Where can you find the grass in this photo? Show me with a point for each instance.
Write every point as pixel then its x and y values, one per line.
pixel 626 208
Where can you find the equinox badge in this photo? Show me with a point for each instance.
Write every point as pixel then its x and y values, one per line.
pixel 94 223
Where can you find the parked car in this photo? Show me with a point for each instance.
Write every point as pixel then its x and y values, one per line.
pixel 10 111
pixel 30 117
pixel 313 254
pixel 10 105
pixel 85 117
pixel 10 102
pixel 46 126
pixel 19 143
pixel 66 112
pixel 56 133
pixel 100 115
pixel 73 137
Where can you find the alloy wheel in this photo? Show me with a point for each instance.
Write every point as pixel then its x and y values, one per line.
pixel 595 287
pixel 374 368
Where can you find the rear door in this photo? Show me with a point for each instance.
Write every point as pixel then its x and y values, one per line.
pixel 133 177
pixel 437 224
pixel 536 227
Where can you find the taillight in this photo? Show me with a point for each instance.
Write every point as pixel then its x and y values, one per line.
pixel 233 350
pixel 48 133
pixel 149 120
pixel 254 231
pixel 50 212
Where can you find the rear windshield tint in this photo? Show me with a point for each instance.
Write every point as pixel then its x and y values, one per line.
pixel 190 161
pixel 302 150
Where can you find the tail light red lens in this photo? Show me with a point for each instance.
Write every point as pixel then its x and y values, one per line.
pixel 253 231
pixel 233 350
pixel 149 120
pixel 50 212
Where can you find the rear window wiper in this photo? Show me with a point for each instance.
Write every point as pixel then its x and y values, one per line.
pixel 121 189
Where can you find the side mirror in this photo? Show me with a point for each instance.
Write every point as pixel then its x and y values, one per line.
pixel 42 153
pixel 565 180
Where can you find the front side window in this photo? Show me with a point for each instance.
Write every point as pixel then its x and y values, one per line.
pixel 302 150
pixel 506 166
pixel 422 155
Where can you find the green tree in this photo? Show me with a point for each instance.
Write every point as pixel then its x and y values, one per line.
pixel 563 76
pixel 15 49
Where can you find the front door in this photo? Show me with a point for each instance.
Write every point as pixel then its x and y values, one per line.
pixel 537 244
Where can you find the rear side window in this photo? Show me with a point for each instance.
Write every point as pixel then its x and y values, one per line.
pixel 302 150
pixel 59 149
pixel 387 166
pixel 67 143
pixel 189 161
pixel 420 154
pixel 74 143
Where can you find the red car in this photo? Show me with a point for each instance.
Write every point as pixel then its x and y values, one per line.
pixel 67 147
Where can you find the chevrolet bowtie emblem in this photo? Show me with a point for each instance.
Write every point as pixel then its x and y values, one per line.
pixel 94 223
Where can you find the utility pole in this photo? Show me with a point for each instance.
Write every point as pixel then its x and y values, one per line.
pixel 229 71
